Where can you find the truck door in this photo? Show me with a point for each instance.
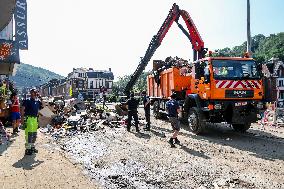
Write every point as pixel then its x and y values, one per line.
pixel 202 79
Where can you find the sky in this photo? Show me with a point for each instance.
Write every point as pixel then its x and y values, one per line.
pixel 67 34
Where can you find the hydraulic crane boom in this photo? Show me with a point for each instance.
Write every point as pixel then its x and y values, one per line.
pixel 193 36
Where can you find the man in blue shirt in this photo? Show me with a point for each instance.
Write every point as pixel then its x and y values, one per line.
pixel 173 109
pixel 30 111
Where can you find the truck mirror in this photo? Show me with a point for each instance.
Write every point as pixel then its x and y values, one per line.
pixel 199 70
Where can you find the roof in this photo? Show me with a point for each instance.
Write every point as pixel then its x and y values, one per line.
pixel 100 74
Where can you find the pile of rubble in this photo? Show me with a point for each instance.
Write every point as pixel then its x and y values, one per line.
pixel 80 117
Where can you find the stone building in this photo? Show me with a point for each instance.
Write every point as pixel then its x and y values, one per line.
pixel 274 81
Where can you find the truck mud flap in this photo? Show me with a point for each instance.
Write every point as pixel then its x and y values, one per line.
pixel 242 117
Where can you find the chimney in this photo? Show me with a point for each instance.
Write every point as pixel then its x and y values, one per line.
pixel 91 69
pixel 109 69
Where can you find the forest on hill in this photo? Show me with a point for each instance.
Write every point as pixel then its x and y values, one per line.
pixel 28 75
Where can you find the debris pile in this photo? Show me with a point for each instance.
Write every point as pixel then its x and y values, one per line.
pixel 160 65
pixel 80 117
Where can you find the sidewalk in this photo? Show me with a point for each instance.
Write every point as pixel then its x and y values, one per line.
pixel 47 169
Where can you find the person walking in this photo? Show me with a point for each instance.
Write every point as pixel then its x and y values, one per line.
pixel 30 112
pixel 15 112
pixel 173 109
pixel 132 104
pixel 146 104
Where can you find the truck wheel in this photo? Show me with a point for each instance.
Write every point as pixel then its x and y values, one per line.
pixel 241 127
pixel 195 122
pixel 156 110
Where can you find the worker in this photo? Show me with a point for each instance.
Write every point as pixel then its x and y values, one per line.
pixel 224 71
pixel 104 101
pixel 173 109
pixel 132 104
pixel 30 112
pixel 15 112
pixel 146 104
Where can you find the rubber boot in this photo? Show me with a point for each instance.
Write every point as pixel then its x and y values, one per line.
pixel 147 128
pixel 137 129
pixel 34 150
pixel 177 141
pixel 28 152
pixel 14 131
pixel 128 128
pixel 171 141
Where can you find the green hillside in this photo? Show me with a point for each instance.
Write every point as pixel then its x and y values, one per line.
pixel 28 75
pixel 263 48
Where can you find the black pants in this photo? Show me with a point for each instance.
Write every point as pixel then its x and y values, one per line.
pixel 147 116
pixel 132 113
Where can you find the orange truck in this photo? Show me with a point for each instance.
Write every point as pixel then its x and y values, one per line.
pixel 213 89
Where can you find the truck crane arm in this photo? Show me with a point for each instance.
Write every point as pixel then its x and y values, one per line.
pixel 193 36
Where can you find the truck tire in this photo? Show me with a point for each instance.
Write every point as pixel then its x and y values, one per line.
pixel 195 121
pixel 241 127
pixel 156 110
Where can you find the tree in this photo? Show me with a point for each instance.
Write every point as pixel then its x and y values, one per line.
pixel 263 48
pixel 141 84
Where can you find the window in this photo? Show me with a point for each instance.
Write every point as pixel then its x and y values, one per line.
pixel 281 83
pixel 232 69
pixel 281 94
pixel 92 84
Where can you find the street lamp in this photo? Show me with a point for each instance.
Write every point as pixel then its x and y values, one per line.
pixel 248 29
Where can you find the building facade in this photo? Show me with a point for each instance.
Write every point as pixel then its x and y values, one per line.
pixel 99 81
pixel 88 83
pixel 76 83
pixel 274 81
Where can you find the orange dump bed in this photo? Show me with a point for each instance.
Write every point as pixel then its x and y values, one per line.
pixel 172 79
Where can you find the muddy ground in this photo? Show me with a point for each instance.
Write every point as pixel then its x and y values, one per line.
pixel 220 158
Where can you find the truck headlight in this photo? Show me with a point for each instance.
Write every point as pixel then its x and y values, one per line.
pixel 259 105
pixel 218 106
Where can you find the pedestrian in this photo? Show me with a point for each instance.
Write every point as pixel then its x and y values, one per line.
pixel 132 104
pixel 146 104
pixel 173 109
pixel 30 112
pixel 104 101
pixel 15 112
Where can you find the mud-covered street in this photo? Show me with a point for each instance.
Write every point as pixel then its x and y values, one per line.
pixel 220 158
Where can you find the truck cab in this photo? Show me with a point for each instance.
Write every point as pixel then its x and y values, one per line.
pixel 228 89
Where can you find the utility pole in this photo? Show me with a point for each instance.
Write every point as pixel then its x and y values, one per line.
pixel 248 29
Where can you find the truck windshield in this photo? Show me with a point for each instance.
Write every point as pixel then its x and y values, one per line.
pixel 235 69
